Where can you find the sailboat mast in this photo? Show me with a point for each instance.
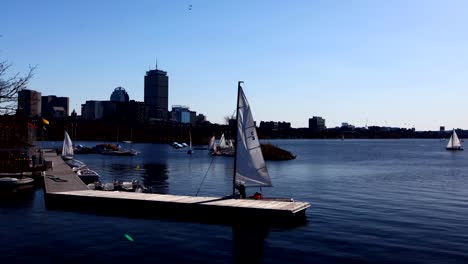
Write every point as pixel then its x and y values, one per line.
pixel 237 137
pixel 453 136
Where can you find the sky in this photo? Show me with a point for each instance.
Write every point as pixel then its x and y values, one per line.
pixel 386 63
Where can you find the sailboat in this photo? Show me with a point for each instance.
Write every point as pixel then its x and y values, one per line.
pixel 117 150
pixel 190 150
pixel 212 144
pixel 249 166
pixel 67 148
pixel 454 143
pixel 222 142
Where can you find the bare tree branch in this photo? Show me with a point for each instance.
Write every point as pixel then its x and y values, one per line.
pixel 10 86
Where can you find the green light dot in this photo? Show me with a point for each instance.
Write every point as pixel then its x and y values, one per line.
pixel 127 236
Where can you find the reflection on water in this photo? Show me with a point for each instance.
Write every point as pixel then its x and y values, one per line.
pixel 249 242
pixel 11 196
pixel 155 176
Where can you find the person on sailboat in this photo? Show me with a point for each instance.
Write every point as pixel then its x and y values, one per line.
pixel 241 188
pixel 257 196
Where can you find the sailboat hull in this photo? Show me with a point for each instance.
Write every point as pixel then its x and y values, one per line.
pixel 67 157
pixel 455 148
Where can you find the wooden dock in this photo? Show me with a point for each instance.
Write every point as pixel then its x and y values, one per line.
pixel 65 190
pixel 61 178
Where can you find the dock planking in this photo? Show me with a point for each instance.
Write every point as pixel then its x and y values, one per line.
pixel 61 177
pixel 69 192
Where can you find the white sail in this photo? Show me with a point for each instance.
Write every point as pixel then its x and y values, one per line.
pixel 211 145
pixel 222 142
pixel 454 142
pixel 190 136
pixel 250 165
pixel 67 148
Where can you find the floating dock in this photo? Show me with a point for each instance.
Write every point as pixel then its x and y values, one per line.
pixel 65 190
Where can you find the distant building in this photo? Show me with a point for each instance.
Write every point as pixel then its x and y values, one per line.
pixel 317 123
pixel 200 119
pixel 119 95
pixel 442 128
pixel 114 110
pixel 54 107
pixel 272 125
pixel 29 103
pixel 157 94
pixel 346 126
pixel 182 114
pixel 73 114
pixel 92 110
pixel 138 111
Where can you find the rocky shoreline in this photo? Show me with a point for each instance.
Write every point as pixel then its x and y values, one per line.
pixel 272 152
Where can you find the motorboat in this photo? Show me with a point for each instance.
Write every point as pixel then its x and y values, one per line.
pixel 87 175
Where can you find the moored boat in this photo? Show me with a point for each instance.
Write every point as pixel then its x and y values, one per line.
pixel 13 181
pixel 67 148
pixel 87 175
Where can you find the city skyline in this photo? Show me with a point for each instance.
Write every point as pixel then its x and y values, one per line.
pixel 387 64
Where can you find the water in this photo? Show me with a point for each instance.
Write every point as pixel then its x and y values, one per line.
pixel 373 201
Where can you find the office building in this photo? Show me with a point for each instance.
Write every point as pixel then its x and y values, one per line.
pixel 182 114
pixel 54 107
pixel 138 111
pixel 317 123
pixel 92 110
pixel 157 94
pixel 29 103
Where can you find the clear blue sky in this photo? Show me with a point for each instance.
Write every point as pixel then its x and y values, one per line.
pixel 396 63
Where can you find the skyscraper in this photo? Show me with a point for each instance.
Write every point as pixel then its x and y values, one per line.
pixel 157 94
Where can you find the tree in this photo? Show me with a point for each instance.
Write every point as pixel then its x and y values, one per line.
pixel 10 86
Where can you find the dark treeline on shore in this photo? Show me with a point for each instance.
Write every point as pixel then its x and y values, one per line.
pixel 110 131
pixel 372 132
pixel 166 132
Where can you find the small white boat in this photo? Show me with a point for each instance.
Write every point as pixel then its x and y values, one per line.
pixel 87 175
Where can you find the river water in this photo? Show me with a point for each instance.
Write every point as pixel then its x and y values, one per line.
pixel 372 201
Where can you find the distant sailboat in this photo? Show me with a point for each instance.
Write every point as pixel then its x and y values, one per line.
pixel 212 144
pixel 67 148
pixel 454 142
pixel 222 142
pixel 190 150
